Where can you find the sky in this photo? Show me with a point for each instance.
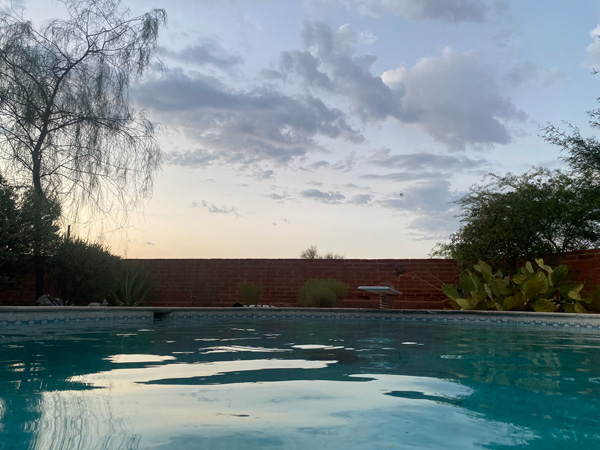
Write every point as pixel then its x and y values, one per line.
pixel 352 125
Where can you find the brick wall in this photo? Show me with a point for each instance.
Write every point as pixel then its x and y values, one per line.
pixel 584 266
pixel 213 282
pixel 20 297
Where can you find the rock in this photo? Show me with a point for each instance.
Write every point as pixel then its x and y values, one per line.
pixel 48 300
pixel 104 303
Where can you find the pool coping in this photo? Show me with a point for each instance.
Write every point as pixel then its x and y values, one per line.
pixel 48 315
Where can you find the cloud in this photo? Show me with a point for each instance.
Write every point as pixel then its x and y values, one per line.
pixel 242 127
pixel 335 197
pixel 270 74
pixel 449 11
pixel 433 226
pixel 279 197
pixel 423 161
pixel 191 158
pixel 424 196
pixel 9 6
pixel 361 199
pixel 403 176
pixel 456 99
pixel 593 50
pixel 214 209
pixel 346 164
pixel 432 202
pixel 324 197
pixel 530 72
pixel 330 64
pixel 207 51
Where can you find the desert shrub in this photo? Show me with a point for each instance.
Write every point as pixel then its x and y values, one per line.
pixel 83 271
pixel 540 289
pixel 249 292
pixel 322 293
pixel 133 286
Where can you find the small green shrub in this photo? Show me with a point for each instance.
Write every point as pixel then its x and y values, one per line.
pixel 84 272
pixel 540 289
pixel 322 293
pixel 249 292
pixel 133 287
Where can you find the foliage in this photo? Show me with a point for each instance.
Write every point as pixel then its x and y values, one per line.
pixel 515 218
pixel 12 243
pixel 540 289
pixel 313 253
pixel 26 223
pixel 84 272
pixel 66 127
pixel 594 304
pixel 133 287
pixel 583 152
pixel 249 292
pixel 322 293
pixel 65 119
pixel 39 219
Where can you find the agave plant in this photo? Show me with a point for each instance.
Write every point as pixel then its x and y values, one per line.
pixel 134 287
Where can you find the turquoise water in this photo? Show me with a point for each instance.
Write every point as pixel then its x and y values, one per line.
pixel 299 384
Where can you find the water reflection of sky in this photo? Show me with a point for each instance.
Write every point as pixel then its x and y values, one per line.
pixel 300 385
pixel 296 412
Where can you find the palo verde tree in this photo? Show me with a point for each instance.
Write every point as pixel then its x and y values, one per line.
pixel 67 129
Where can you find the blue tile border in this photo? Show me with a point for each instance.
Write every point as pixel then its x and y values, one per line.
pixel 482 318
pixel 48 316
pixel 36 316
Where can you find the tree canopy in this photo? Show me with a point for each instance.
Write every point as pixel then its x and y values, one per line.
pixel 66 126
pixel 313 253
pixel 25 225
pixel 67 130
pixel 519 217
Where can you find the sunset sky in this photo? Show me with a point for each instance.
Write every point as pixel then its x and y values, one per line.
pixel 348 124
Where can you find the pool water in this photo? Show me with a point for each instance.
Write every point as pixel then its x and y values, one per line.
pixel 299 384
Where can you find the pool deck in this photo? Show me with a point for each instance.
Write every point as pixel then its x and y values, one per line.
pixel 49 315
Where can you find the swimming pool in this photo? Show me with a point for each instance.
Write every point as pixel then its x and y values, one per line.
pixel 275 381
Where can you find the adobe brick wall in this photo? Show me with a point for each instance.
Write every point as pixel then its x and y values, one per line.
pixel 20 297
pixel 584 266
pixel 213 282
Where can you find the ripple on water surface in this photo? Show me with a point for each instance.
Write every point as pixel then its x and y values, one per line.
pixel 292 384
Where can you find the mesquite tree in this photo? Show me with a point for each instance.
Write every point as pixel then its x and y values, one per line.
pixel 67 129
pixel 515 218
